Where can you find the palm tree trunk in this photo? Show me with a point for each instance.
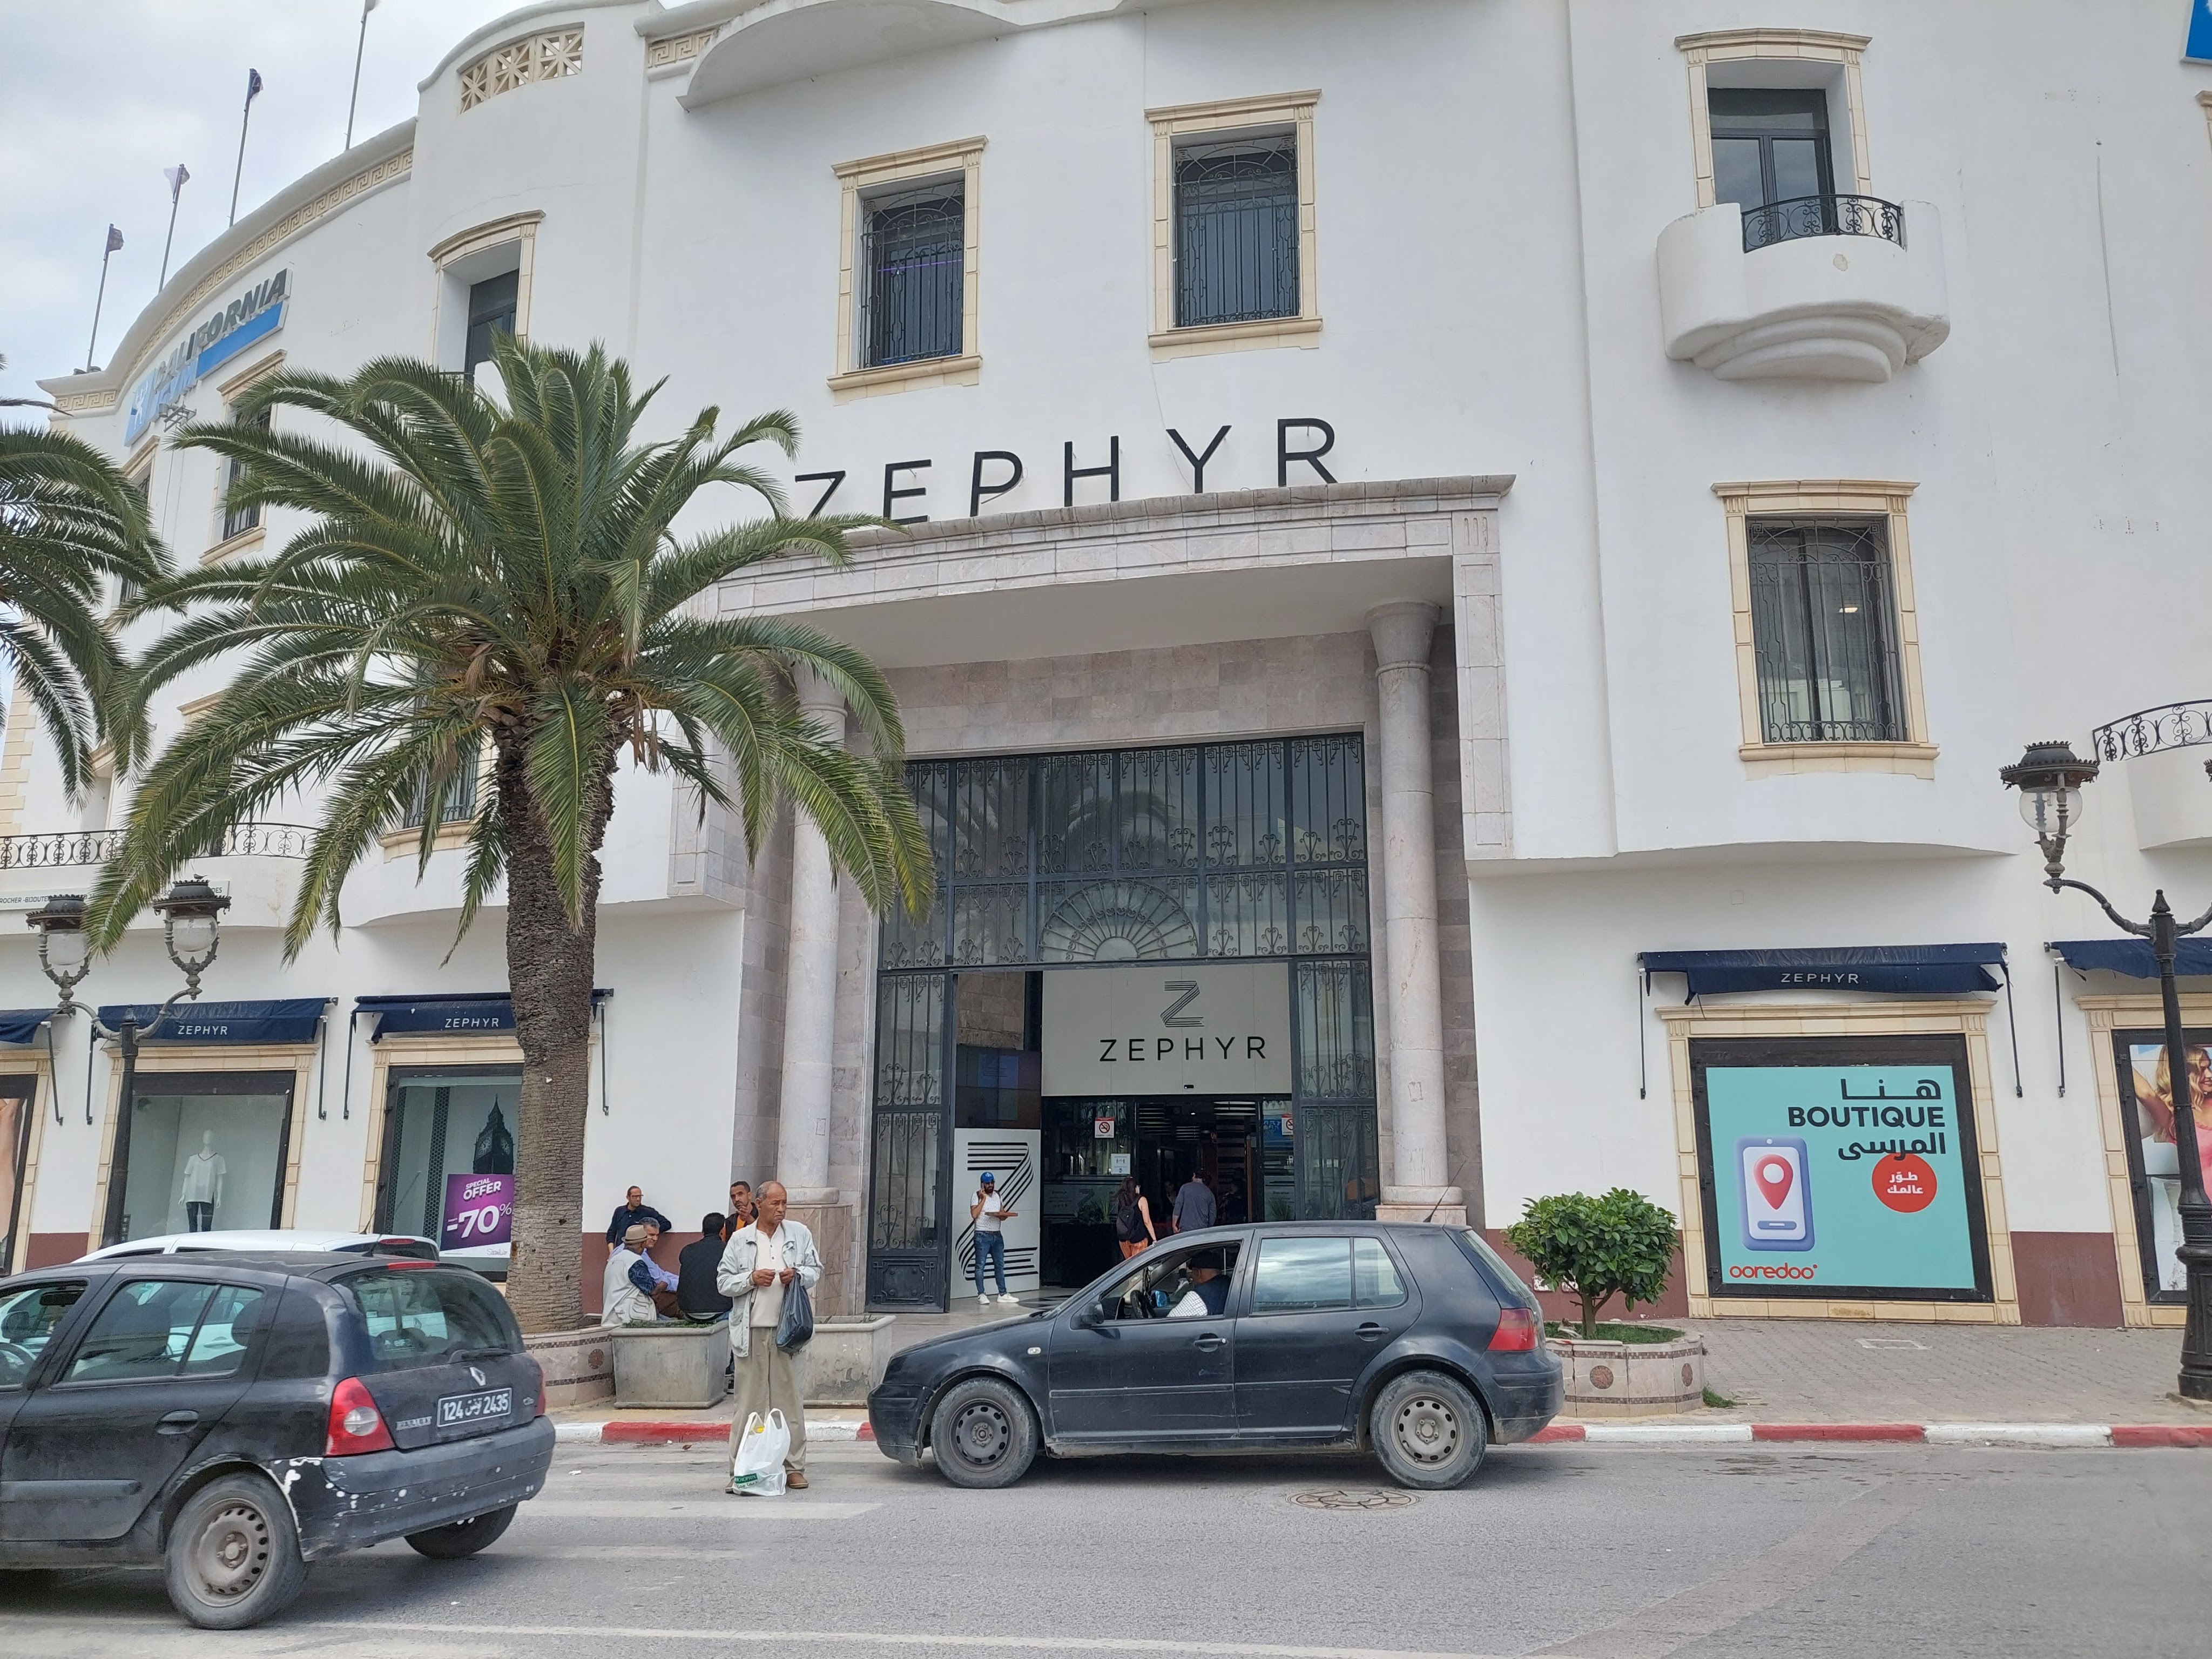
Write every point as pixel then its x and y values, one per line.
pixel 550 971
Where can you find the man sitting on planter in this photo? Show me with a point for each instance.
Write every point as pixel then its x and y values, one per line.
pixel 625 1291
pixel 696 1298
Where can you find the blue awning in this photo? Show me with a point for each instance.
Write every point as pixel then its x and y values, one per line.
pixel 293 1019
pixel 452 1014
pixel 2132 957
pixel 1910 969
pixel 21 1024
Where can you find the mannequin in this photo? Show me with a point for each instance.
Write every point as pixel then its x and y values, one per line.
pixel 203 1185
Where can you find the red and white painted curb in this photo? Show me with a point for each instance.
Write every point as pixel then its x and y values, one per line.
pixel 1930 1434
pixel 697 1431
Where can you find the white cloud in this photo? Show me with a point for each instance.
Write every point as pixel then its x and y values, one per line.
pixel 98 96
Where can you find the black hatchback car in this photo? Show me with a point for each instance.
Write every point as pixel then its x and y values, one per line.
pixel 235 1417
pixel 1417 1342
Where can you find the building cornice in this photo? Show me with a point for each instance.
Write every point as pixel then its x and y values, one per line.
pixel 368 166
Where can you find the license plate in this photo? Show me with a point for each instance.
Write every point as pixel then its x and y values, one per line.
pixel 456 1408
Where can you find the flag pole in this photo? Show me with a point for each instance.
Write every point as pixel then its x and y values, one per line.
pixel 114 241
pixel 253 91
pixel 176 175
pixel 359 47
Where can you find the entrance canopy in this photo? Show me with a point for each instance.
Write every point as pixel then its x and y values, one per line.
pixel 2132 957
pixel 293 1019
pixel 1911 970
pixel 457 1013
pixel 21 1024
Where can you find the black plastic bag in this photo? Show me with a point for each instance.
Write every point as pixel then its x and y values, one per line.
pixel 796 1329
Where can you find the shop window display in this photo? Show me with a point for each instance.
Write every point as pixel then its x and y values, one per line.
pixel 439 1125
pixel 16 1097
pixel 205 1152
pixel 2146 1104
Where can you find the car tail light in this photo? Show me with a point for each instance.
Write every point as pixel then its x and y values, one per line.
pixel 1517 1332
pixel 355 1424
pixel 537 1371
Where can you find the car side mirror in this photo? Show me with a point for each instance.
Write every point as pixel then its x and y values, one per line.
pixel 1092 1314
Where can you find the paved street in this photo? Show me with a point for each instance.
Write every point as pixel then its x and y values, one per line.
pixel 1606 1553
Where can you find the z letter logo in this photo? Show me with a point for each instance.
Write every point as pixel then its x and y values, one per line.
pixel 1174 1016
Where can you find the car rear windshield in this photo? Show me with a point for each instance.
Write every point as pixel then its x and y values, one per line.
pixel 426 1316
pixel 1502 1279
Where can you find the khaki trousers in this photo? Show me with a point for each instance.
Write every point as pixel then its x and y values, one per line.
pixel 769 1379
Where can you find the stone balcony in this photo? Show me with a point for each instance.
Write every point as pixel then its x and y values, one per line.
pixel 1837 288
pixel 255 866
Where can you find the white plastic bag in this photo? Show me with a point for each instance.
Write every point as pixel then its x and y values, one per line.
pixel 758 1470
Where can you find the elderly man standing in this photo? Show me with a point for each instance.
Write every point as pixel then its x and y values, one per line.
pixel 759 1264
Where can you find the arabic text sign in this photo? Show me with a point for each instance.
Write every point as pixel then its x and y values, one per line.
pixel 1850 1177
pixel 479 1212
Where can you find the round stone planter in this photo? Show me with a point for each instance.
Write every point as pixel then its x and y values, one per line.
pixel 1631 1379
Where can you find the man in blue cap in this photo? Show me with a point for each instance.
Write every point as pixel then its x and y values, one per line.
pixel 990 1214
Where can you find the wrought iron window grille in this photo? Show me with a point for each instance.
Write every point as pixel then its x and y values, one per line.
pixel 1823 631
pixel 2150 731
pixel 1236 229
pixel 237 521
pixel 913 273
pixel 1832 215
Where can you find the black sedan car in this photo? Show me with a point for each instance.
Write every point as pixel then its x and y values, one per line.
pixel 235 1417
pixel 1415 1341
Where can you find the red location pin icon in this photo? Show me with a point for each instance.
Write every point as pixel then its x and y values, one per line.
pixel 1774 1175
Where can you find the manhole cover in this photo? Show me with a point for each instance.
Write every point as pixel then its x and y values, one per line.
pixel 1353 1497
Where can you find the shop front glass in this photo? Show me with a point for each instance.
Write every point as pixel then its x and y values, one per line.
pixel 205 1151
pixel 16 1094
pixel 447 1171
pixel 2146 1108
pixel 1140 965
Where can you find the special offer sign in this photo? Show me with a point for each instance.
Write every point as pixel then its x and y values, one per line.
pixel 1836 1175
pixel 479 1212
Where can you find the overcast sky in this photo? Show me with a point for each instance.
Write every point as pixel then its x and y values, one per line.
pixel 98 96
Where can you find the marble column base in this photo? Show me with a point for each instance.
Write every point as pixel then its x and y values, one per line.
pixel 1445 1206
pixel 832 1223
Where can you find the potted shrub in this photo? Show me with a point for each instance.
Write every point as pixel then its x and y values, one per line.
pixel 1594 1249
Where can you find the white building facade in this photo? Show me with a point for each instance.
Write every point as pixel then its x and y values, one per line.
pixel 1416 514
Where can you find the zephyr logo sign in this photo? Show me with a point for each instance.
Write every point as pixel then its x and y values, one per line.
pixel 1215 1030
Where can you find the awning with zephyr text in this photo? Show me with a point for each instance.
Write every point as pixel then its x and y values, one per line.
pixel 1907 970
pixel 293 1019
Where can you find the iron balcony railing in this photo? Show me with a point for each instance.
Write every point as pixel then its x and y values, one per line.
pixel 2175 726
pixel 1797 216
pixel 83 847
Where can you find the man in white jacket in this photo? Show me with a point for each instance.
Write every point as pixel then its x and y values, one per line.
pixel 760 1262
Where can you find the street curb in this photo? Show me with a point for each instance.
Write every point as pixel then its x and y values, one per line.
pixel 2146 1435
pixel 687 1431
pixel 646 1431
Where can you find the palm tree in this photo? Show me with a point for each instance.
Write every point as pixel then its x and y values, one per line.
pixel 477 577
pixel 68 521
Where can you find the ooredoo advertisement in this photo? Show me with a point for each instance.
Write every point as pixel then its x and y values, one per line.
pixel 1838 1175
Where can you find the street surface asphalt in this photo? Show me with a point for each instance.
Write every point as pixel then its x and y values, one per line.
pixel 1607 1552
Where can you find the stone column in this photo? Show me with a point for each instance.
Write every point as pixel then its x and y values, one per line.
pixel 1416 1184
pixel 810 1028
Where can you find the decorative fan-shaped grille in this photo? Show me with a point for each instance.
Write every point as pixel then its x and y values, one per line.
pixel 1119 922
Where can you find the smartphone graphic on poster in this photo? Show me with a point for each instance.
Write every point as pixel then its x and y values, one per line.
pixel 1773 1177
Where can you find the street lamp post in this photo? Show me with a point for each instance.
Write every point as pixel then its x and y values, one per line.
pixel 192 927
pixel 2049 777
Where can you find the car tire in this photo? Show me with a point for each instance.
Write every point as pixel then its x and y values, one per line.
pixel 983 1434
pixel 233 1554
pixel 1428 1430
pixel 462 1538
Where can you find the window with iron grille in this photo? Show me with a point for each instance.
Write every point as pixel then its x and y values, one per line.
pixel 1823 631
pixel 913 259
pixel 237 521
pixel 1237 228
pixel 459 804
pixel 492 307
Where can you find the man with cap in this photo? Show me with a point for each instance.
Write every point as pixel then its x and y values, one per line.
pixel 625 1291
pixel 990 1214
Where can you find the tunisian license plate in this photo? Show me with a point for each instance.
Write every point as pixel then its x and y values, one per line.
pixel 457 1408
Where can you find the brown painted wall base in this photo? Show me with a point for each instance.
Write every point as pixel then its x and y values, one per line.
pixel 2067 1278
pixel 49 1249
pixel 1674 1301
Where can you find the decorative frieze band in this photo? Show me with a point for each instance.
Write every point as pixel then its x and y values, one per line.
pixel 553 56
pixel 678 48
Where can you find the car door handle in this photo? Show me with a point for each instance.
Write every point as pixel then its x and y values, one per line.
pixel 1370 1331
pixel 1209 1341
pixel 177 1422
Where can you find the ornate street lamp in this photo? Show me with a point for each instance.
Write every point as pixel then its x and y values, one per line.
pixel 2049 777
pixel 191 928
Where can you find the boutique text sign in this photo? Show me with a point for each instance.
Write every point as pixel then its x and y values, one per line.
pixel 1169 1029
pixel 1830 1173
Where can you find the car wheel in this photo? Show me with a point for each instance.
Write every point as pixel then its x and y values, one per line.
pixel 983 1434
pixel 1428 1430
pixel 233 1555
pixel 463 1537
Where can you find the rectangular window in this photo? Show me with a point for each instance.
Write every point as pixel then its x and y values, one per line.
pixel 457 807
pixel 913 263
pixel 1235 228
pixel 1822 620
pixel 17 1095
pixel 437 1124
pixel 202 1152
pixel 237 521
pixel 492 305
pixel 1302 1275
pixel 1771 147
pixel 415 1318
